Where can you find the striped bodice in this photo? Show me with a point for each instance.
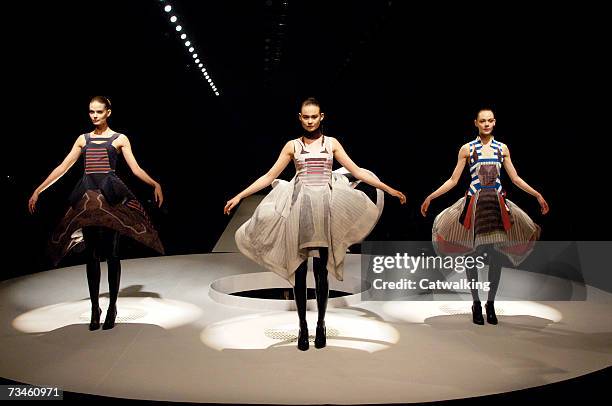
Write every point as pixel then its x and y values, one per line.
pixel 100 157
pixel 485 172
pixel 313 163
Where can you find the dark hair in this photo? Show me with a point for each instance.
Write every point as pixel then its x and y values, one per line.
pixel 101 99
pixel 311 101
pixel 484 109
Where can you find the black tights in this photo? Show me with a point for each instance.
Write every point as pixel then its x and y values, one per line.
pixel 102 242
pixel 496 261
pixel 321 286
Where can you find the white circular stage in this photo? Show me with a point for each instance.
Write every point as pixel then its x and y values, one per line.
pixel 179 340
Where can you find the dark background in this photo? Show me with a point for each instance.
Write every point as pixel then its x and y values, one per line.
pixel 400 84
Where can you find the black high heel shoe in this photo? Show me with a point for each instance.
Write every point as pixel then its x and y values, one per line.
pixel 477 314
pixel 491 316
pixel 303 338
pixel 321 337
pixel 94 324
pixel 109 321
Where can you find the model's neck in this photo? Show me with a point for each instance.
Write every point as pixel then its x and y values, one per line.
pixel 485 138
pixel 101 129
pixel 314 135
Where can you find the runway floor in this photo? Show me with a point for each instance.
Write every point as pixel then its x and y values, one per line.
pixel 174 342
pixel 178 341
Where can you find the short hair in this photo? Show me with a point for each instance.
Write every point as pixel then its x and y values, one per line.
pixel 311 101
pixel 484 109
pixel 101 99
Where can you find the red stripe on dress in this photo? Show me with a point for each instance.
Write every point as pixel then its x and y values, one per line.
pixel 504 213
pixel 467 222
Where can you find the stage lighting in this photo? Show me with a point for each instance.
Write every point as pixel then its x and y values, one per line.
pixel 268 330
pixel 174 19
pixel 165 313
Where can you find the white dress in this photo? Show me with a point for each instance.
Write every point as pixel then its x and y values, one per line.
pixel 317 208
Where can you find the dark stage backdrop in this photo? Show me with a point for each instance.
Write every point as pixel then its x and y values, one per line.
pixel 400 85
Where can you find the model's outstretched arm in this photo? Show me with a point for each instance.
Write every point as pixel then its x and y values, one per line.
pixel 126 149
pixel 344 160
pixel 462 157
pixel 518 181
pixel 265 180
pixel 58 172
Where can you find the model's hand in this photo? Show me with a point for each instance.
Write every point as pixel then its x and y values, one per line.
pixel 399 195
pixel 231 204
pixel 32 202
pixel 425 206
pixel 159 195
pixel 543 204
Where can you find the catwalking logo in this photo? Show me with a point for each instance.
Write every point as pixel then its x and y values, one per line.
pixel 412 263
pixel 425 284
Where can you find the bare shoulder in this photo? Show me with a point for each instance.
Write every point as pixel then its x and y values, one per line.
pixel 80 141
pixel 464 151
pixel 334 143
pixel 122 140
pixel 289 147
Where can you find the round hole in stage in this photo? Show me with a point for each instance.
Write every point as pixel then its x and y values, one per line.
pixel 266 290
pixel 284 293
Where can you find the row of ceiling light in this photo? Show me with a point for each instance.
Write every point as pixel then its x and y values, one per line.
pixel 188 45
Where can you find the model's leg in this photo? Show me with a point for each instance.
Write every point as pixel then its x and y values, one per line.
pixel 300 292
pixel 90 236
pixel 114 277
pixel 322 291
pixel 472 276
pixel 496 261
